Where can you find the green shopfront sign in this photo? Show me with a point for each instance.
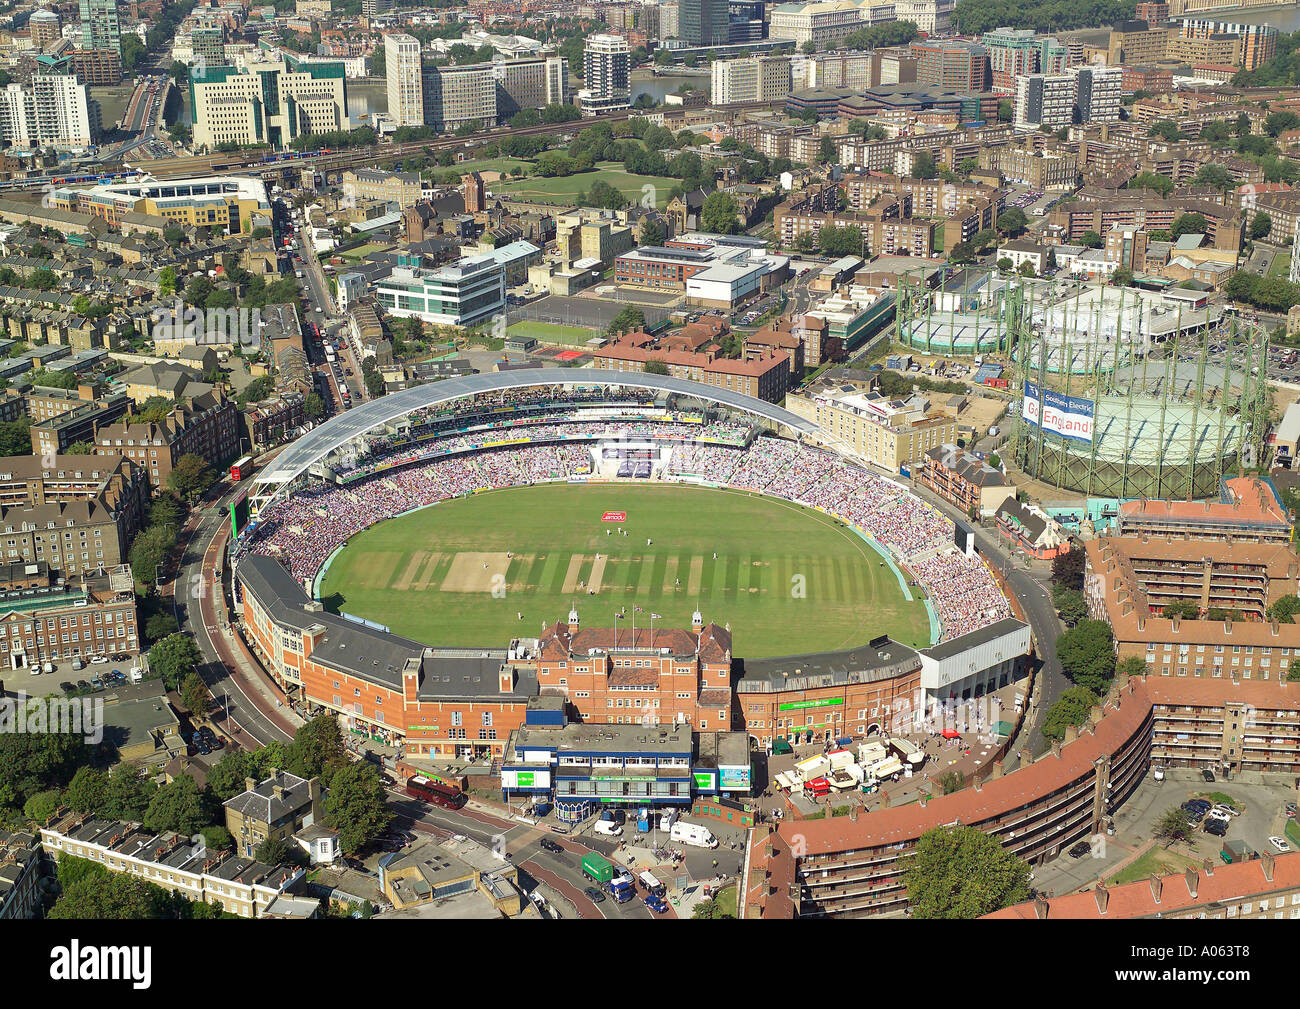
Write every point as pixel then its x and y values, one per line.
pixel 825 703
pixel 704 779
pixel 524 779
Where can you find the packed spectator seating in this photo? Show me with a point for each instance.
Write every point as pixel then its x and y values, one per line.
pixel 304 529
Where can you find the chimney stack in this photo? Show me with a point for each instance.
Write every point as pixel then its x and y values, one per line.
pixel 1193 879
pixel 1207 867
pixel 1102 896
pixel 1041 907
pixel 1268 862
pixel 1156 886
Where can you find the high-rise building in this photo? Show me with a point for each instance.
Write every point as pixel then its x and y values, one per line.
pixel 1099 94
pixel 1258 42
pixel 457 96
pixel 375 8
pixel 99 25
pixel 1015 52
pixel 54 110
pixel 669 22
pixel 530 83
pixel 267 102
pixel 1044 100
pixel 606 75
pixel 745 21
pixel 45 28
pixel 757 79
pixel 951 65
pixel 703 22
pixel 402 70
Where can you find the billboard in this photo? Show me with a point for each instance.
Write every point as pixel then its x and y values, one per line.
pixel 705 781
pixel 525 779
pixel 1068 416
pixel 735 778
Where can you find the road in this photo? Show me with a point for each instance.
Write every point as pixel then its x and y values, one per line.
pixel 250 718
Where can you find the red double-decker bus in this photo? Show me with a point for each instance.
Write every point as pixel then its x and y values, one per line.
pixel 435 792
pixel 241 468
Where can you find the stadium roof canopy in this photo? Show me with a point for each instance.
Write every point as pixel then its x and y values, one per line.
pixel 339 430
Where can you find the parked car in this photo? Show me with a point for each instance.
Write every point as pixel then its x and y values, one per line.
pixel 1226 812
pixel 96 683
pixel 83 685
pixel 1216 827
pixel 68 688
pixel 594 895
pixel 1207 774
pixel 1280 843
pixel 1080 849
pixel 1291 809
pixel 551 846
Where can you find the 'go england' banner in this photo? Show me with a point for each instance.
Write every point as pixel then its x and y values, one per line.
pixel 1067 416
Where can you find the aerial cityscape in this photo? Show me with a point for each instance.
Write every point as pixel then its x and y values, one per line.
pixel 706 459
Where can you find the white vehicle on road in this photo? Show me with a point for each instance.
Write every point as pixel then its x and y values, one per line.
pixel 608 828
pixel 1281 844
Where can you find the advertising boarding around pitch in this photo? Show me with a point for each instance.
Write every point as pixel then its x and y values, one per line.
pixel 1068 416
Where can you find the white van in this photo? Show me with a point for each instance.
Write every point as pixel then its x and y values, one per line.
pixel 651 882
pixel 608 828
pixel 693 834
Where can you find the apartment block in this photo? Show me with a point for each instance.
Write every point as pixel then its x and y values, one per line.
pixel 206 425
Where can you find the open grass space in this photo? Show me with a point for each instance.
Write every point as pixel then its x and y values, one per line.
pixel 563 190
pixel 554 333
pixel 1158 860
pixel 787 579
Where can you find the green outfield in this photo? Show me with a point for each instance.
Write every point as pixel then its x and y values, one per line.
pixel 787 579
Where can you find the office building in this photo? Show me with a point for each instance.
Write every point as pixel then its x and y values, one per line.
pixel 1017 52
pixel 757 79
pixel 530 83
pixel 405 86
pixel 46 619
pixel 1259 42
pixel 951 65
pixel 704 22
pixel 746 21
pixel 99 26
pixel 825 23
pixel 1044 101
pixel 608 84
pixel 458 294
pixel 54 110
pixel 267 101
pixel 456 96
pixel 377 8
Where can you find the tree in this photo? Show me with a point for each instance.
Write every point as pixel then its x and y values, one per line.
pixel 318 749
pixel 1279 122
pixel 1132 665
pixel 1153 181
pixel 1006 110
pixel 174 658
pixel 962 873
pixel 709 910
pixel 923 166
pixel 87 791
pixel 1091 240
pixel 1012 221
pixel 808 48
pixel 720 214
pixel 1260 225
pixel 1213 175
pixel 190 477
pixel 1175 824
pixel 41 806
pixel 195 695
pixel 127 795
pixel 178 806
pixel 118 897
pixel 1183 608
pixel 836 240
pixel 1285 609
pixel 1166 129
pixel 962 252
pixel 1026 269
pixel 1070 604
pixel 984 239
pixel 1122 277
pixel 656 367
pixel 1188 224
pixel 1087 656
pixel 629 320
pixel 826 153
pixel 314 406
pixel 15 437
pixel 355 806
pixel 1071 709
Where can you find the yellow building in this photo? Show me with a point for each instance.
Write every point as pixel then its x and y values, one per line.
pixel 884 432
pixel 589 234
pixel 220 202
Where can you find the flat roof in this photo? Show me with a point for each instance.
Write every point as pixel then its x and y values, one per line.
pixel 867 663
pixel 580 740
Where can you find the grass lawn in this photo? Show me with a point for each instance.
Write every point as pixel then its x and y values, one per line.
pixel 1280 266
pixel 442 576
pixel 1221 799
pixel 362 251
pixel 726 900
pixel 550 332
pixel 1157 860
pixel 563 190
pixel 485 165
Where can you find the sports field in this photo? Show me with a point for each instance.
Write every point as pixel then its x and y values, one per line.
pixel 787 579
pixel 552 332
pixel 564 189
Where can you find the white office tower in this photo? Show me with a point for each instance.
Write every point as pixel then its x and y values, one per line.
pixel 405 92
pixel 756 79
pixel 606 75
pixel 1044 100
pixel 1100 94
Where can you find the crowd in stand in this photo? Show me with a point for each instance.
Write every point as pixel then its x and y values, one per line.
pixel 306 528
